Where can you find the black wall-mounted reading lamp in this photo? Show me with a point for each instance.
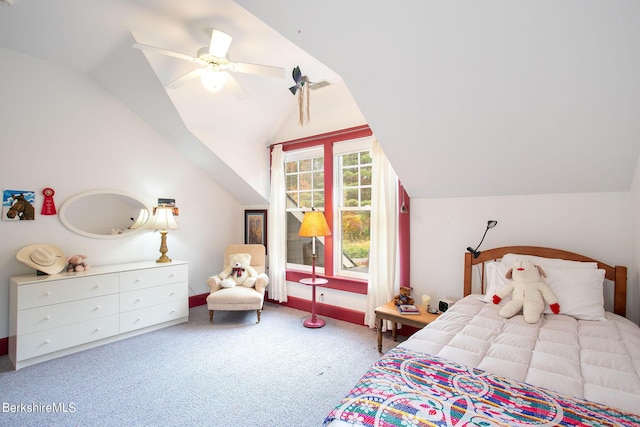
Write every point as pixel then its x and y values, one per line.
pixel 475 252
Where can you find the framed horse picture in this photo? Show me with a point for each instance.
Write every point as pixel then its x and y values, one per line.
pixel 18 205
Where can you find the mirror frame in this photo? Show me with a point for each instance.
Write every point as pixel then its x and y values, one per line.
pixel 63 218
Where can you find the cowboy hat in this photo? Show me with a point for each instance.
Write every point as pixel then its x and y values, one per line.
pixel 46 258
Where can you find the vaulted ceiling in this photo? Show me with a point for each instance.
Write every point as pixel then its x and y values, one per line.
pixel 467 98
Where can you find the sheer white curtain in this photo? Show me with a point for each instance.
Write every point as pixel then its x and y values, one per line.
pixel 383 254
pixel 277 231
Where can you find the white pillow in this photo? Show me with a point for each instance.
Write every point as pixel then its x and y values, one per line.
pixel 495 279
pixel 579 291
pixel 509 259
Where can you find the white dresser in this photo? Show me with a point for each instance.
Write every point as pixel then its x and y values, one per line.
pixel 55 315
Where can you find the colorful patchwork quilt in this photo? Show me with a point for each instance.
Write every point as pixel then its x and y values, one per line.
pixel 406 388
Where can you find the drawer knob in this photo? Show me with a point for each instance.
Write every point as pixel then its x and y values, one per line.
pixel 172 293
pixel 98 329
pixel 138 299
pixel 98 285
pixel 138 280
pixel 48 293
pixel 47 341
pixel 172 275
pixel 138 319
pixel 98 308
pixel 47 318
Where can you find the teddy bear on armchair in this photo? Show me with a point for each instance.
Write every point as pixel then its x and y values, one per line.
pixel 239 272
pixel 528 292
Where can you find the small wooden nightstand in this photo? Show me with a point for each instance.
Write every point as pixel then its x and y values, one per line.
pixel 389 311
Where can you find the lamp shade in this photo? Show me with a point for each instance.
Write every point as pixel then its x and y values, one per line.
pixel 314 224
pixel 143 216
pixel 163 220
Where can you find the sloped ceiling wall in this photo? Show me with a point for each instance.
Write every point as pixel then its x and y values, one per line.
pixel 485 98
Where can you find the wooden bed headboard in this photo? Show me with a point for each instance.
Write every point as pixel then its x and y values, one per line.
pixel 617 274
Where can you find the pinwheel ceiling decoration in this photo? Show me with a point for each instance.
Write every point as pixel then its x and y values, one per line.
pixel 301 87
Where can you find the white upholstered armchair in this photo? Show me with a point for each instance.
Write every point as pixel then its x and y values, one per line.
pixel 239 298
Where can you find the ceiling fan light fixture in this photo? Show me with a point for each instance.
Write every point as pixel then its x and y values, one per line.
pixel 213 80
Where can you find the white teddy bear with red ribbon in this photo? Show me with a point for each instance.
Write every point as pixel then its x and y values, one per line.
pixel 239 272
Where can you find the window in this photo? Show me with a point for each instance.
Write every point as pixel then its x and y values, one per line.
pixel 304 175
pixel 339 181
pixel 353 205
pixel 332 172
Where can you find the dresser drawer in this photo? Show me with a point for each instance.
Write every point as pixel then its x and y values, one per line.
pixel 133 320
pixel 146 278
pixel 56 315
pixel 43 342
pixel 71 289
pixel 148 297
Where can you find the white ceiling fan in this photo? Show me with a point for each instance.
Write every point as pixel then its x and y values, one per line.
pixel 215 67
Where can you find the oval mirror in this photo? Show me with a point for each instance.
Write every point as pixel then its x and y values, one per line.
pixel 104 214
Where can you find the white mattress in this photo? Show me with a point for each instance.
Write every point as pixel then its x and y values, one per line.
pixel 594 360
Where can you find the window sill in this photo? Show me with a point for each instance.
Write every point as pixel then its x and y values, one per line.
pixel 339 283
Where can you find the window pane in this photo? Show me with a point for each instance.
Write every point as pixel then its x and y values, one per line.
pixel 305 181
pixel 318 180
pixel 355 240
pixel 318 163
pixel 305 165
pixel 291 167
pixel 365 157
pixel 365 197
pixel 350 159
pixel 365 175
pixel 292 199
pixel 350 198
pixel 292 182
pixel 318 199
pixel 349 177
pixel 305 199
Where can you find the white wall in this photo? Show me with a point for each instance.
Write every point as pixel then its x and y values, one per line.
pixel 592 224
pixel 633 274
pixel 60 129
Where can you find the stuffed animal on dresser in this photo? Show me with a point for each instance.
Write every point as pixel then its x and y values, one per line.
pixel 239 272
pixel 76 263
pixel 528 292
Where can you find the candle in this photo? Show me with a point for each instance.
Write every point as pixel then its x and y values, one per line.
pixel 426 300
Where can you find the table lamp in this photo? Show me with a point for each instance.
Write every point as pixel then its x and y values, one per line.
pixel 314 225
pixel 163 221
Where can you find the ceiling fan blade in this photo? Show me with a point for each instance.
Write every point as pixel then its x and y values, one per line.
pixel 235 88
pixel 219 44
pixel 166 52
pixel 179 81
pixel 262 70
